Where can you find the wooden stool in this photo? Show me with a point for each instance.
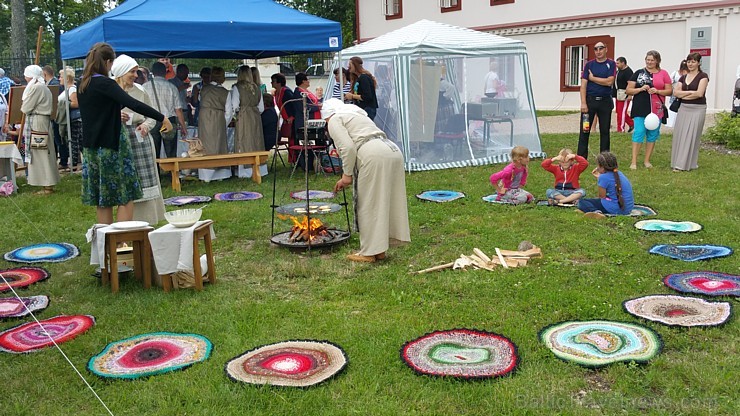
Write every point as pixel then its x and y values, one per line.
pixel 201 232
pixel 142 256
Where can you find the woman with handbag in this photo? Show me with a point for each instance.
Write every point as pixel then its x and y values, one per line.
pixel 691 90
pixel 673 102
pixel 648 87
pixel 150 207
pixel 108 172
pixel 40 151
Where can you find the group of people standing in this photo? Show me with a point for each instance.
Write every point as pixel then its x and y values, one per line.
pixel 648 90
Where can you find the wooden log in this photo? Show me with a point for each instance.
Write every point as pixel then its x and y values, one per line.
pixel 435 268
pixel 501 258
pixel 535 252
pixel 481 254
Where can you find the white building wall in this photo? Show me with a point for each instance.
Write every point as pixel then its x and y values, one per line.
pixel 636 25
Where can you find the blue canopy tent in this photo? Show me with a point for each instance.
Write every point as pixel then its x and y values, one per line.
pixel 242 29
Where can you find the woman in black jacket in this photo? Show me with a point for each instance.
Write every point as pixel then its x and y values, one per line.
pixel 363 87
pixel 109 177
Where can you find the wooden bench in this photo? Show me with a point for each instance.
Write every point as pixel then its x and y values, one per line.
pixel 175 164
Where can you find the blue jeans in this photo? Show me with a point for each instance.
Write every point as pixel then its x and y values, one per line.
pixel 591 204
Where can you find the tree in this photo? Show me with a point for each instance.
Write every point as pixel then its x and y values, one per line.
pixel 18 36
pixel 342 11
pixel 63 15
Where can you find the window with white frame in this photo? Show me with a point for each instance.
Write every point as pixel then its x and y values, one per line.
pixel 450 5
pixel 392 9
pixel 574 53
pixel 575 58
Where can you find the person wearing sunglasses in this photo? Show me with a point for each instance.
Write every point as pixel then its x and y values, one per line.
pixel 596 97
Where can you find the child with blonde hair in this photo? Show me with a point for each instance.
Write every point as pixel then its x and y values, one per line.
pixel 615 190
pixel 566 167
pixel 510 181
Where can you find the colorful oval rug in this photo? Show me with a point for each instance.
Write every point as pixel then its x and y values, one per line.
pixel 440 196
pixel 43 253
pixel 237 196
pixel 461 353
pixel 690 252
pixel 185 200
pixel 150 354
pixel 31 337
pixel 19 307
pixel 300 363
pixel 20 277
pixel 668 226
pixel 312 194
pixel 676 310
pixel 599 343
pixel 704 283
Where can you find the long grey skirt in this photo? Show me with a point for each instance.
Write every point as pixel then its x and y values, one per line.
pixel 687 136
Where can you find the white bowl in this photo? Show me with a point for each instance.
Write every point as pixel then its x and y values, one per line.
pixel 182 218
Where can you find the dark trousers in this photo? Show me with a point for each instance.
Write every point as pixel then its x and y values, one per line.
pixel 601 107
pixel 61 145
pixel 371 112
pixel 591 205
pixel 170 145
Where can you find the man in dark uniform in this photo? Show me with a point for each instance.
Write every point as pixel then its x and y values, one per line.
pixel 596 97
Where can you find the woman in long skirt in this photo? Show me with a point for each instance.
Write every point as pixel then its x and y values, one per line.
pixel 150 207
pixel 691 90
pixel 37 106
pixel 374 165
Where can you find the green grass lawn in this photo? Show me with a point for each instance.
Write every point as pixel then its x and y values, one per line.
pixel 267 294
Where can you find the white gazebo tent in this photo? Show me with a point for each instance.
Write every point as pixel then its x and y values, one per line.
pixel 431 85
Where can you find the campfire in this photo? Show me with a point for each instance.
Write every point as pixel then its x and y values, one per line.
pixel 313 231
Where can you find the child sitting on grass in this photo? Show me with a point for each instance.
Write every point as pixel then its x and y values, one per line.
pixel 615 190
pixel 512 178
pixel 566 167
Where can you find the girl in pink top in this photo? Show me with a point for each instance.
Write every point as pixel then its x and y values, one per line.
pixel 512 178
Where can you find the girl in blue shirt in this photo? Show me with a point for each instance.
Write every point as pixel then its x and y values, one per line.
pixel 615 190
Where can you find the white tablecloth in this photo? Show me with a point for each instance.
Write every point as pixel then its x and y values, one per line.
pixel 96 238
pixel 172 247
pixel 9 154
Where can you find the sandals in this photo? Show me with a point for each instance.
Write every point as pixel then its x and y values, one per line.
pixel 633 166
pixel 360 258
pixel 44 192
pixel 648 165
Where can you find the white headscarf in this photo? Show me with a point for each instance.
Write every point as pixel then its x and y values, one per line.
pixel 122 65
pixel 336 106
pixel 37 77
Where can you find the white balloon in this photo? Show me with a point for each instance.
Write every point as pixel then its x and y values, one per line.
pixel 652 121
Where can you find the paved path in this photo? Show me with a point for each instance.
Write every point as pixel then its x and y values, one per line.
pixel 569 123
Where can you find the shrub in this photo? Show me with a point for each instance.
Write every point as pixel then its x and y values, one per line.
pixel 726 130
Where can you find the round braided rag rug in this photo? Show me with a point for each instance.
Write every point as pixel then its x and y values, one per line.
pixel 150 354
pixel 43 253
pixel 461 353
pixel 300 363
pixel 31 336
pixel 676 310
pixel 21 277
pixel 599 343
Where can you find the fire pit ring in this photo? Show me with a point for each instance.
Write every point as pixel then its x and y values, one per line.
pixel 339 236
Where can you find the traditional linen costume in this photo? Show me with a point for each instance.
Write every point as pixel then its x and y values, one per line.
pixel 37 106
pixel 211 120
pixel 150 207
pixel 248 126
pixel 376 164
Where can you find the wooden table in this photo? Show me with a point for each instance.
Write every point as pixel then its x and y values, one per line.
pixel 175 164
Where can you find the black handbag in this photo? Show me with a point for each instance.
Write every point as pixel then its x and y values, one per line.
pixel 675 105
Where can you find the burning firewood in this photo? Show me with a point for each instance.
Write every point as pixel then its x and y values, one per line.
pixel 479 260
